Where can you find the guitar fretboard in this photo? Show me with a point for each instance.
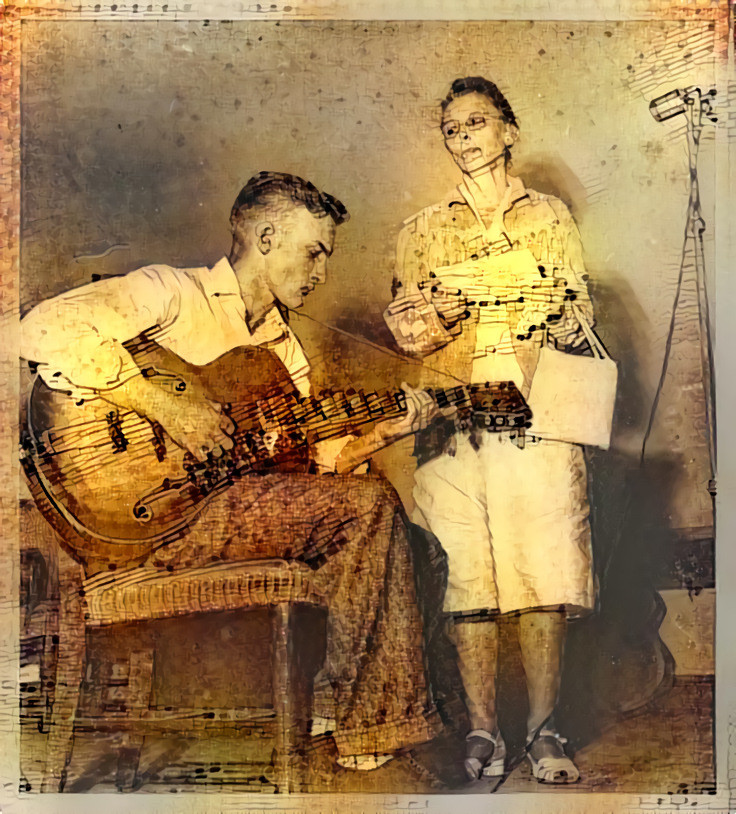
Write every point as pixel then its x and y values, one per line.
pixel 336 413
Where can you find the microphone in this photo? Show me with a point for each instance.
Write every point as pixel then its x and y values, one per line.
pixel 675 102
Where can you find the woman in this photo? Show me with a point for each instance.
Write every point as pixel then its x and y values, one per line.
pixel 483 278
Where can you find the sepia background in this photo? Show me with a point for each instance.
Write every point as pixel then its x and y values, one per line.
pixel 137 138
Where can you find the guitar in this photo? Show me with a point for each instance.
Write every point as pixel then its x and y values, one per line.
pixel 115 486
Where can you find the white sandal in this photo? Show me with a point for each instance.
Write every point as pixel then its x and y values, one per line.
pixel 485 754
pixel 555 769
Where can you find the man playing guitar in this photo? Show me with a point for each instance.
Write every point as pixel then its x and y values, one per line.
pixel 349 528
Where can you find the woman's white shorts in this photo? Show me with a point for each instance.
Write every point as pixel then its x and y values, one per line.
pixel 513 522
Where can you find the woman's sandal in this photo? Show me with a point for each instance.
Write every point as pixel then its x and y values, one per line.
pixel 485 754
pixel 555 766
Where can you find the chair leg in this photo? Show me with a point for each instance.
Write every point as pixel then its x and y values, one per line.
pixel 140 684
pixel 129 756
pixel 49 661
pixel 69 674
pixel 285 751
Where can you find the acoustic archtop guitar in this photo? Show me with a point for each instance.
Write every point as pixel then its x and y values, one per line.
pixel 115 486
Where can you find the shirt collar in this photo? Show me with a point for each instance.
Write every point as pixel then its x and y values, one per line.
pixel 516 193
pixel 221 281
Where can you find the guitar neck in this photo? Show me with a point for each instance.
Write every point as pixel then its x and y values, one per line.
pixel 341 413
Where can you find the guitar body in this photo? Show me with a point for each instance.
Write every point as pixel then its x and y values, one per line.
pixel 114 484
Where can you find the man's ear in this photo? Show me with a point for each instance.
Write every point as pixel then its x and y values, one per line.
pixel 264 232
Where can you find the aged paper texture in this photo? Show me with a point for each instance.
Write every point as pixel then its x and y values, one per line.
pixel 480 229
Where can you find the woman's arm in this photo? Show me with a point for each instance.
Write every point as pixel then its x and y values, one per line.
pixel 566 331
pixel 421 321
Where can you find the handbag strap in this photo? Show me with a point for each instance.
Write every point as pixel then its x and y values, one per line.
pixel 598 348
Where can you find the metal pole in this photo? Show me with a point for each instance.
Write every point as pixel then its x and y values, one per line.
pixel 695 105
pixel 695 228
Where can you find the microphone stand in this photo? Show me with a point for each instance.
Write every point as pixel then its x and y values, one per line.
pixel 696 106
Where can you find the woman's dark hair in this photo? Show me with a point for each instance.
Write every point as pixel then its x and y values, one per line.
pixel 478 84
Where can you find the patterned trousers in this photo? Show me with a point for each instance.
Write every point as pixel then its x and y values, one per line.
pixel 351 531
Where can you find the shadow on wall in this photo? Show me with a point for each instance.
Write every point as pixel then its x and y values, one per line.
pixel 547 173
pixel 615 660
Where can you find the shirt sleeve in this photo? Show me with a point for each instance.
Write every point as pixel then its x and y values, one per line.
pixel 418 330
pixel 76 339
pixel 573 263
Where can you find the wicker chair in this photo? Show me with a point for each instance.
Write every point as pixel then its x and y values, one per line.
pixel 144 594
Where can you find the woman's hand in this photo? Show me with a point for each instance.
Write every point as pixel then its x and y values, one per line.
pixel 566 330
pixel 546 310
pixel 405 302
pixel 451 307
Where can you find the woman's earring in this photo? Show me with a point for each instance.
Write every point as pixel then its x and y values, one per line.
pixel 508 139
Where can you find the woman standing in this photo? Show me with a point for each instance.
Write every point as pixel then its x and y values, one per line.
pixel 483 278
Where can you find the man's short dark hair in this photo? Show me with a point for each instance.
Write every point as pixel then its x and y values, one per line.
pixel 478 84
pixel 267 187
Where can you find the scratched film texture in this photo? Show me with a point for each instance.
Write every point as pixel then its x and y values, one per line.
pixel 138 136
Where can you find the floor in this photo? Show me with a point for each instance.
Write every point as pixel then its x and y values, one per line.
pixel 664 748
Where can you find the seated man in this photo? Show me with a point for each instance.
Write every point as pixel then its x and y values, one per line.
pixel 349 528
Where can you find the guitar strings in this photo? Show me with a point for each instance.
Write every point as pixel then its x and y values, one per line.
pixel 286 408
pixel 137 431
pixel 258 456
pixel 146 343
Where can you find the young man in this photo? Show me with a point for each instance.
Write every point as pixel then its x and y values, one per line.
pixel 350 529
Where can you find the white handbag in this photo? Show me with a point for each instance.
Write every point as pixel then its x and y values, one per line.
pixel 572 397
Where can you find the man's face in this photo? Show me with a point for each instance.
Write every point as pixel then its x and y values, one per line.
pixel 474 131
pixel 300 246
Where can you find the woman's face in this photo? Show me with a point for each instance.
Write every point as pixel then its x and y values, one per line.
pixel 475 132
